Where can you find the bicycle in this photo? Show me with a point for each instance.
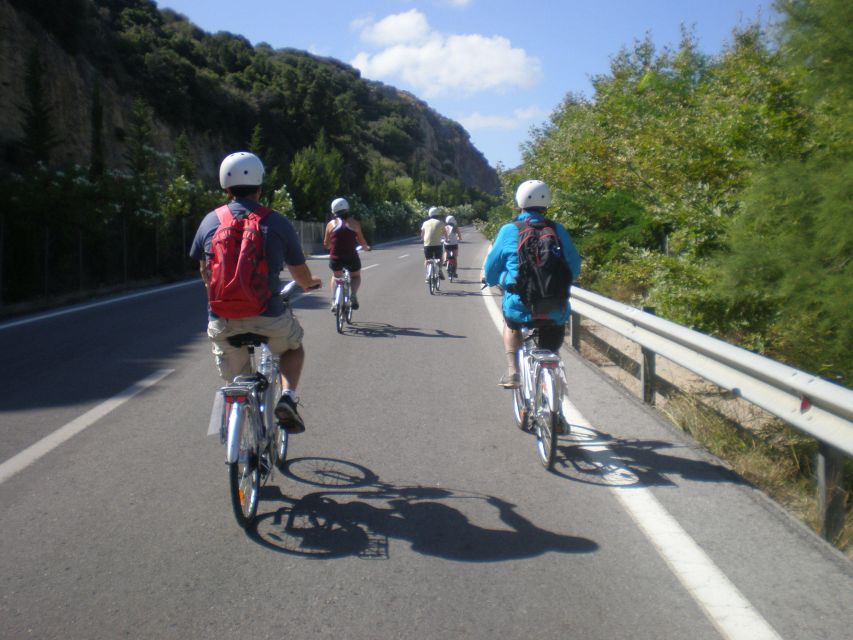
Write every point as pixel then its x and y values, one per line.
pixel 450 251
pixel 343 300
pixel 433 275
pixel 255 442
pixel 537 401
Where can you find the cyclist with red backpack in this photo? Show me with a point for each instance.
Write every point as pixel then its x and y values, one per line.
pixel 535 262
pixel 242 247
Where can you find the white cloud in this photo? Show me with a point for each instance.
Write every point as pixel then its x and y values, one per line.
pixel 519 118
pixel 402 28
pixel 437 64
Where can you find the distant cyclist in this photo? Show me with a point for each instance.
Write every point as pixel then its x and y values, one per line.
pixel 452 236
pixel 343 234
pixel 501 268
pixel 432 233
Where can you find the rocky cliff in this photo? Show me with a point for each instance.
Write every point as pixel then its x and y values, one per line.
pixel 72 73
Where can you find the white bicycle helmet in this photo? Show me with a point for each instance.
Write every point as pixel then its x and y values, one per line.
pixel 241 169
pixel 434 212
pixel 533 193
pixel 450 220
pixel 338 205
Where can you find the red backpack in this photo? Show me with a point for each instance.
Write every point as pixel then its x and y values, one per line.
pixel 239 273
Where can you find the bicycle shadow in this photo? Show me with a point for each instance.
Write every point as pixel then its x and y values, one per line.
pixel 384 330
pixel 459 293
pixel 358 519
pixel 595 457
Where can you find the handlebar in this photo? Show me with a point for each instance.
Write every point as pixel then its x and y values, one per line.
pixel 485 285
pixel 291 288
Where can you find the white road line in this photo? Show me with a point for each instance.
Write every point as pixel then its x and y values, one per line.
pixel 726 607
pixel 62 312
pixel 370 266
pixel 47 444
pixel 405 255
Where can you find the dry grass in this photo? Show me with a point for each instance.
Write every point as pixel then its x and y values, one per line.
pixel 777 459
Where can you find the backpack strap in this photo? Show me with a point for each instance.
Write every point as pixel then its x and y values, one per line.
pixel 261 211
pixel 224 214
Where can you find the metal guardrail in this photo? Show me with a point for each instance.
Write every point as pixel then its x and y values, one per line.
pixel 815 406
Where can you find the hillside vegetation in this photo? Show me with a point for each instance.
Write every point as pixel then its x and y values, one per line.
pixel 719 188
pixel 119 114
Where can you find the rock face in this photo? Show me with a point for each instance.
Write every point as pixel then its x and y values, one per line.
pixel 447 148
pixel 69 81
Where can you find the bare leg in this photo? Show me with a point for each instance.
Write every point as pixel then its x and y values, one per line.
pixel 512 342
pixel 291 367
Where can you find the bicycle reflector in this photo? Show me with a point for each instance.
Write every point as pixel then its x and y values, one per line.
pixel 231 399
pixel 549 364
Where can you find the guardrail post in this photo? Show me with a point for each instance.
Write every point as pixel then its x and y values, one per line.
pixel 575 325
pixel 830 491
pixel 647 369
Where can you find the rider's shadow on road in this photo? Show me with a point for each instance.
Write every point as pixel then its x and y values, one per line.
pixel 384 330
pixel 360 521
pixel 595 457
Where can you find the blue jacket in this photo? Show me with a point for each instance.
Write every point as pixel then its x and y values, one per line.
pixel 501 268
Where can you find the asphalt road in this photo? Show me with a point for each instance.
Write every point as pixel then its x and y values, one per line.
pixel 412 507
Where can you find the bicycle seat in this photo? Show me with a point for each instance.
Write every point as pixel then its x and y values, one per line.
pixel 246 339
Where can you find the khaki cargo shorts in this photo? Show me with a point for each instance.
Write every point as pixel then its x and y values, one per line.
pixel 284 333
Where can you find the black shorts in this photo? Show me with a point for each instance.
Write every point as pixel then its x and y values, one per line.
pixel 433 251
pixel 551 336
pixel 353 264
pixel 452 250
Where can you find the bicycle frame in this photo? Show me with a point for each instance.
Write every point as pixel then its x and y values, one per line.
pixel 433 280
pixel 537 402
pixel 246 391
pixel 343 299
pixel 253 449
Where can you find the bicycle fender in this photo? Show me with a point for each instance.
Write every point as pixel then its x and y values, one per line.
pixel 232 447
pixel 549 390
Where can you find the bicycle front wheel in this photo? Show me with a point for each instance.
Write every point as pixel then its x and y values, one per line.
pixel 244 475
pixel 278 446
pixel 545 418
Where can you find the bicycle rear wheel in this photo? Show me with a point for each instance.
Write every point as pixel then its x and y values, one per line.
pixel 545 418
pixel 348 298
pixel 244 475
pixel 339 309
pixel 519 410
pixel 431 278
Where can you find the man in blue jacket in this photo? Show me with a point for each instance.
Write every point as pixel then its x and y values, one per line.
pixel 501 268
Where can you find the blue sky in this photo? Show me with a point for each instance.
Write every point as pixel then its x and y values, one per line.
pixel 496 66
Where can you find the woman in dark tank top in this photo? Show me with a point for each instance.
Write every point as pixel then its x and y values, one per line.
pixel 343 234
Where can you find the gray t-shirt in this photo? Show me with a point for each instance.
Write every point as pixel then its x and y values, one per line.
pixel 281 245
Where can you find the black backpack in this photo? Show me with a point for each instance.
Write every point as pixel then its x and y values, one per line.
pixel 544 279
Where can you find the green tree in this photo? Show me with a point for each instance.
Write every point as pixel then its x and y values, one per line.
pixel 790 249
pixel 316 176
pixel 40 136
pixel 184 165
pixel 97 163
